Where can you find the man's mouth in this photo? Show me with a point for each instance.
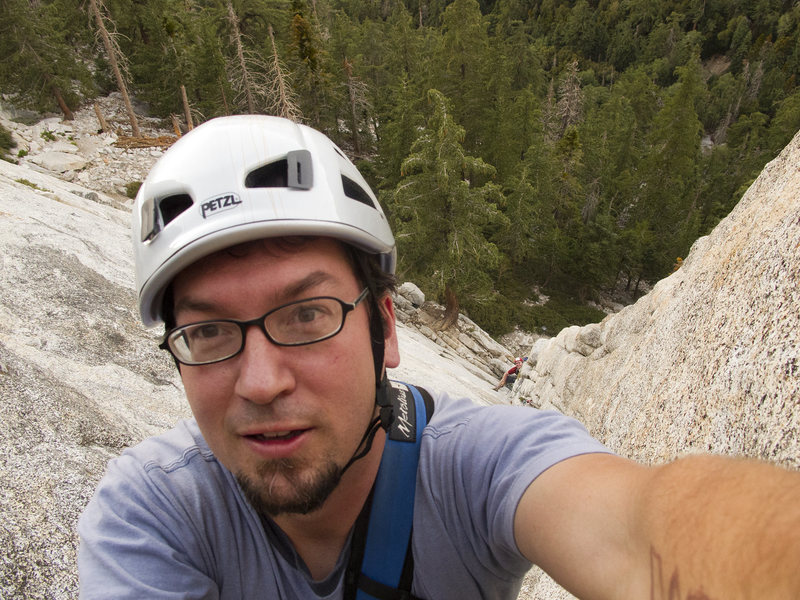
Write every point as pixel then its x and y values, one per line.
pixel 268 437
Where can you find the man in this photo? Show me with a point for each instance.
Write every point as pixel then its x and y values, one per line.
pixel 261 248
pixel 510 376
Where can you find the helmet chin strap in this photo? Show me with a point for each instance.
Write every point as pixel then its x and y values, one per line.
pixel 382 421
pixel 382 399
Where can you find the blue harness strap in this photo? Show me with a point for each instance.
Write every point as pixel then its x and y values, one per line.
pixel 387 564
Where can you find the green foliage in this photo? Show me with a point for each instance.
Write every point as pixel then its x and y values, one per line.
pixel 30 184
pixel 785 123
pixel 42 45
pixel 558 313
pixel 6 141
pixel 132 188
pixel 573 145
pixel 498 315
pixel 443 206
pixel 503 313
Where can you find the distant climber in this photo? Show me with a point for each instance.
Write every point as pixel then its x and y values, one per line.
pixel 510 376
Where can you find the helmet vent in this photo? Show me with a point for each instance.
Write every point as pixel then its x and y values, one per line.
pixel 356 192
pixel 268 176
pixel 172 206
pixel 295 171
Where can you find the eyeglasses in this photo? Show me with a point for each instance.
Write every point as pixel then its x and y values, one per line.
pixel 297 323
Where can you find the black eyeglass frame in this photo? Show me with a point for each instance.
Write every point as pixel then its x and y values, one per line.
pixel 260 322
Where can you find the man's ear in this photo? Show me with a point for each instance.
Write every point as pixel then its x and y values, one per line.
pixel 391 350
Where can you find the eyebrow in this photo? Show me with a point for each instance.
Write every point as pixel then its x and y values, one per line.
pixel 310 281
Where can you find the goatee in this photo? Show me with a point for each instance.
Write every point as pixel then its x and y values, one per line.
pixel 309 491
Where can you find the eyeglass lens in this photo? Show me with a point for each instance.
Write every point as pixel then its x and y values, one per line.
pixel 299 323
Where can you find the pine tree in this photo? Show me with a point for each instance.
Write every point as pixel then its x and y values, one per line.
pixel 463 68
pixel 41 63
pixel 399 127
pixel 159 44
pixel 313 78
pixel 443 206
pixel 400 106
pixel 669 172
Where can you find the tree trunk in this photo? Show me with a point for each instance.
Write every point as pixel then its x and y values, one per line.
pixel 68 116
pixel 451 309
pixel 187 111
pixel 112 59
pixel 101 119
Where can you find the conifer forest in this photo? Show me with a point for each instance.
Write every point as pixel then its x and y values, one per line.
pixel 521 148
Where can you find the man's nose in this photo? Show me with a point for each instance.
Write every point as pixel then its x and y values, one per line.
pixel 264 369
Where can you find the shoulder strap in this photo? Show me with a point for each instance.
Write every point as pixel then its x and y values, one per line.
pixel 382 538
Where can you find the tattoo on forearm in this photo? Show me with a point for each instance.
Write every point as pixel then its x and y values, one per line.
pixel 660 589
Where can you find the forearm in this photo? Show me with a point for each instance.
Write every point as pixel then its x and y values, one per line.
pixel 721 528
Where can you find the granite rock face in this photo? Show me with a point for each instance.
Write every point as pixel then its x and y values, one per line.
pixel 79 377
pixel 709 360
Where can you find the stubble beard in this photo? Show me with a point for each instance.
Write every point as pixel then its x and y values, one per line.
pixel 309 490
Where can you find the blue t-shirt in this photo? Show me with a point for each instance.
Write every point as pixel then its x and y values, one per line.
pixel 169 521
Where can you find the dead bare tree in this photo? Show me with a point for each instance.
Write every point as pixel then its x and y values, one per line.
pixel 283 99
pixel 186 109
pixel 101 119
pixel 550 119
pixel 747 91
pixel 357 94
pixel 261 86
pixel 245 83
pixel 176 125
pixel 115 58
pixel 570 97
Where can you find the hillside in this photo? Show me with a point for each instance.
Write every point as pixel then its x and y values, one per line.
pixel 707 361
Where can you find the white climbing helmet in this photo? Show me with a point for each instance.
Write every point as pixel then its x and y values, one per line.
pixel 241 178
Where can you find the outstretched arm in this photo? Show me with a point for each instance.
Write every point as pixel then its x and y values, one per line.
pixel 700 528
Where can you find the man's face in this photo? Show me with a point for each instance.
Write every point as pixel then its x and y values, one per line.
pixel 284 420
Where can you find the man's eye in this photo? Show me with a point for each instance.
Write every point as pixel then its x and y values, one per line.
pixel 306 314
pixel 205 332
pixel 310 313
